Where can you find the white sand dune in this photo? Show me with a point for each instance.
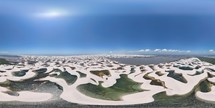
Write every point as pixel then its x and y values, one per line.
pixel 85 64
pixel 24 96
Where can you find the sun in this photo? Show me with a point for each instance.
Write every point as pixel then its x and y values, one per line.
pixel 51 14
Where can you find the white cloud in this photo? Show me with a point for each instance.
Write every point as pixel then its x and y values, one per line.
pixel 188 51
pixel 144 50
pixel 211 51
pixel 147 50
pixel 157 50
pixel 165 50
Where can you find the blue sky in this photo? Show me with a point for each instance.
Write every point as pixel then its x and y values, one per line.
pixel 83 26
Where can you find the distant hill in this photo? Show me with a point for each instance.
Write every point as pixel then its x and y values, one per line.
pixel 3 56
pixel 207 59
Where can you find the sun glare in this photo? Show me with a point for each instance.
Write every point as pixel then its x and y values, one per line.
pixel 51 14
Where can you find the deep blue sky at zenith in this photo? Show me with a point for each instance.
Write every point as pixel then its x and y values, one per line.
pixel 69 26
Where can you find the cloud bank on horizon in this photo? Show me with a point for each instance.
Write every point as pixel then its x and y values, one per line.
pixel 165 50
pixel 101 26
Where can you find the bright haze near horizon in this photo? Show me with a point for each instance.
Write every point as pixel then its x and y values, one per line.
pixel 100 26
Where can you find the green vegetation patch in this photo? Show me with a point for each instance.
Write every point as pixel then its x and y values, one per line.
pixel 212 70
pixel 158 82
pixel 70 79
pixel 210 75
pixel 123 86
pixel 154 81
pixel 205 86
pixel 81 74
pixel 147 77
pixel 159 73
pixel 11 93
pixel 177 76
pixel 101 73
pixel 189 99
pixel 4 61
pixel 152 67
pixel 162 99
pixel 132 70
